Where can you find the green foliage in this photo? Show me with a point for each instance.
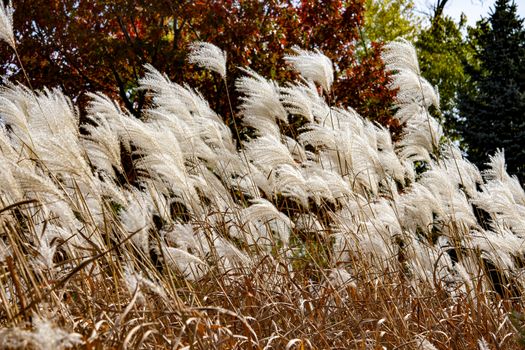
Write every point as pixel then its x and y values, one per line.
pixel 493 108
pixel 386 20
pixel 441 48
pixel 442 53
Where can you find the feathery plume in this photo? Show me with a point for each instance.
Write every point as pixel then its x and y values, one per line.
pixel 313 65
pixel 297 101
pixel 48 336
pixel 288 181
pixel 267 152
pixel 264 212
pixel 186 263
pixel 136 221
pixel 498 168
pixel 102 145
pixel 44 336
pixel 482 344
pixel 261 104
pixel 400 54
pixel 6 24
pixel 423 344
pixel 208 56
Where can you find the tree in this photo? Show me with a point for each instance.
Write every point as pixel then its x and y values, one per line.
pixel 442 49
pixel 442 53
pixel 386 20
pixel 95 45
pixel 494 107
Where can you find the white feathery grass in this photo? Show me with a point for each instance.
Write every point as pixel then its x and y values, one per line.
pixel 186 263
pixel 48 238
pixel 497 172
pixel 388 163
pixel 188 138
pixel 498 200
pixel 159 155
pixel 102 145
pixel 54 111
pixel 44 336
pixel 413 89
pixel 9 188
pixel 296 149
pixel 182 236
pixel 268 152
pixel 420 140
pixel 400 54
pixel 417 208
pixel 482 344
pixel 182 101
pixel 339 187
pixel 423 344
pixel 231 258
pixel 465 174
pixel 319 189
pixel 33 183
pixel 46 126
pixel 264 212
pixel 429 263
pixel 49 336
pixel 346 149
pixel 288 181
pixel 453 201
pixel 408 111
pixel 226 219
pixel 101 105
pixel 135 281
pixel 297 99
pixel 6 148
pixel 354 235
pixel 136 220
pixel 500 247
pixel 497 169
pixel 415 95
pixel 308 223
pixel 132 283
pixel 14 104
pixel 261 105
pixel 251 180
pixel 313 65
pixel 6 24
pixel 208 56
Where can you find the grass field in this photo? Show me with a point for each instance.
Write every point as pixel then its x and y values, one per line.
pixel 316 231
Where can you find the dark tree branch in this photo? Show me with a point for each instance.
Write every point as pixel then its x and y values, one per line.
pixel 122 92
pixel 438 9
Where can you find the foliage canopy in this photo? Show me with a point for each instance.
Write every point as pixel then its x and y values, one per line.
pixel 97 45
pixel 493 108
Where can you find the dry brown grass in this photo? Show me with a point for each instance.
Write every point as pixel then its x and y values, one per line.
pixel 273 304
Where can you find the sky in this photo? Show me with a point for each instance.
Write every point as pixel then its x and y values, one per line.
pixel 474 9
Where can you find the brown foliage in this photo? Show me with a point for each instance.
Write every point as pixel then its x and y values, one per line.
pixel 97 45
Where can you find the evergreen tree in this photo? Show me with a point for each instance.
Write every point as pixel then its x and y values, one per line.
pixel 493 108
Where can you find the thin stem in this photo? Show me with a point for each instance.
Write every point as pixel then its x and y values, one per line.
pixel 23 69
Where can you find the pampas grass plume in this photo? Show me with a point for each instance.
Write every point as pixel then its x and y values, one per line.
pixel 208 56
pixel 6 24
pixel 313 65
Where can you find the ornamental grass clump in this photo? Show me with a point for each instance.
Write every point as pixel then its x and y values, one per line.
pixel 315 231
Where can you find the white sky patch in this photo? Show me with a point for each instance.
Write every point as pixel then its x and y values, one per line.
pixel 473 9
